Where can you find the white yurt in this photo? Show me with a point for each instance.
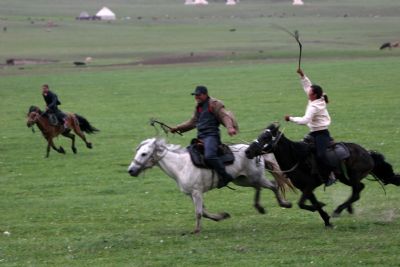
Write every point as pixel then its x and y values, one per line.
pixel 83 16
pixel 106 14
pixel 201 2
pixel 298 2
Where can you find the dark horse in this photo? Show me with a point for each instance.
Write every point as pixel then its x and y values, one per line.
pixel 74 121
pixel 296 157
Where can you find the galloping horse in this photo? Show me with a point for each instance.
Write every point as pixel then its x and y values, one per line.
pixel 294 157
pixel 193 181
pixel 74 121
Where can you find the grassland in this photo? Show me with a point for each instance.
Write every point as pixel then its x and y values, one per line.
pixel 85 210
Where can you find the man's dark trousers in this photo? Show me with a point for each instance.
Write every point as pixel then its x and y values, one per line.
pixel 211 144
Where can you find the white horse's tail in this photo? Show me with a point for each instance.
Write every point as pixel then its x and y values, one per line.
pixel 282 181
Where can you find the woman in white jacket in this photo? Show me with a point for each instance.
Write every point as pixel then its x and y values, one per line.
pixel 317 119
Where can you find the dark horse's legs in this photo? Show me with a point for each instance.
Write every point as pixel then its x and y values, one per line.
pixel 321 212
pixel 303 205
pixel 356 190
pixel 316 206
pixel 51 144
pixel 75 126
pixel 72 137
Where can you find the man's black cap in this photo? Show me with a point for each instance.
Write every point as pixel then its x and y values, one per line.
pixel 200 90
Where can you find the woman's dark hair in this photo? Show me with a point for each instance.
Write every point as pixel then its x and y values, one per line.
pixel 317 90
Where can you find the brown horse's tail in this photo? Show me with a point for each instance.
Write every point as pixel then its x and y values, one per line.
pixel 383 170
pixel 85 125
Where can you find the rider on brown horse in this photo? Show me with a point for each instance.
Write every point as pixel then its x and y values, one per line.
pixel 56 116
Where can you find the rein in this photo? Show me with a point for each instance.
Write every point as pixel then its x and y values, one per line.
pixel 276 139
pixel 38 115
pixel 274 144
pixel 287 171
pixel 34 121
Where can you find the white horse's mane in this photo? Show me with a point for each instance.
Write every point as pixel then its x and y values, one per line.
pixel 175 148
pixel 178 148
pixel 162 142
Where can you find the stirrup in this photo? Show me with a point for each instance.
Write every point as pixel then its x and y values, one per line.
pixel 331 179
pixel 222 183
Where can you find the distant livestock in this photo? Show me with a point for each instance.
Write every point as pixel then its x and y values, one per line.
pixel 389 45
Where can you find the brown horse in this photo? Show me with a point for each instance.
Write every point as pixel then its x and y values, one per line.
pixel 74 121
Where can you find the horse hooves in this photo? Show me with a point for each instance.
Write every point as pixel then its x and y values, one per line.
pixel 225 215
pixel 336 214
pixel 260 209
pixel 350 210
pixel 287 205
pixel 89 145
pixel 196 231
pixel 61 150
pixel 329 226
pixel 74 150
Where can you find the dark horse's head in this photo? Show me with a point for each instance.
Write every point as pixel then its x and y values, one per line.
pixel 264 142
pixel 32 116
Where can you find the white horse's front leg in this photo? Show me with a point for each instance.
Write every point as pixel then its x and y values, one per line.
pixel 197 198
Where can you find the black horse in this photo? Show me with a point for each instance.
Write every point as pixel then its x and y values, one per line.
pixel 296 158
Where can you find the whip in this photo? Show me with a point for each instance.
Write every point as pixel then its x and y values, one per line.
pixel 163 126
pixel 295 35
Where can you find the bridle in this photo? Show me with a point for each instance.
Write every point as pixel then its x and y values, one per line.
pixel 153 158
pixel 32 119
pixel 267 148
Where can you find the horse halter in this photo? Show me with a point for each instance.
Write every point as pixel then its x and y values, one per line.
pixel 153 158
pixel 33 117
pixel 261 146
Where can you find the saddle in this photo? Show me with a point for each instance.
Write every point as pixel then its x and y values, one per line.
pixel 54 121
pixel 56 118
pixel 335 153
pixel 196 151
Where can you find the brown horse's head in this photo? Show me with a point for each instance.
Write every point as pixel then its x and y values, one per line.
pixel 33 115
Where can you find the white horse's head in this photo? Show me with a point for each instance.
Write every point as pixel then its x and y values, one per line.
pixel 148 153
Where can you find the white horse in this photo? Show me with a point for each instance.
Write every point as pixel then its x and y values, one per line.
pixel 175 161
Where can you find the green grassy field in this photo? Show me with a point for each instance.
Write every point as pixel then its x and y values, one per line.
pixel 85 210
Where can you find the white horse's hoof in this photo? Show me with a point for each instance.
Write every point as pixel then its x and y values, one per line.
pixel 225 215
pixel 286 205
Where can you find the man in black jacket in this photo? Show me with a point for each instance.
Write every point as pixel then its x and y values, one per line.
pixel 52 103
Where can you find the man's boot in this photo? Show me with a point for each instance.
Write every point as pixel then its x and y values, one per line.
pixel 331 179
pixel 65 125
pixel 327 177
pixel 224 177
